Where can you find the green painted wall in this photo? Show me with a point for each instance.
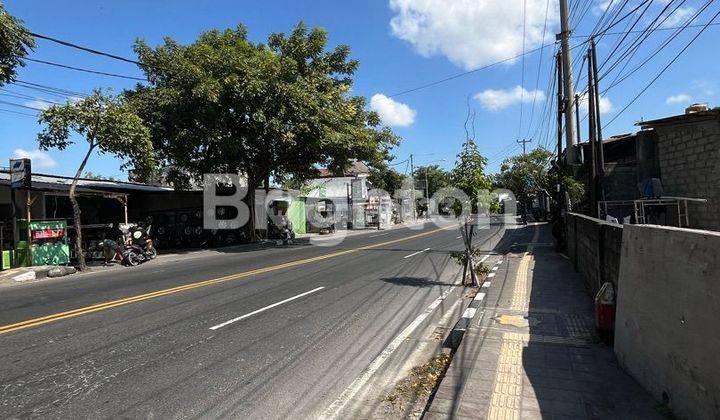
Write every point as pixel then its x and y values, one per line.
pixel 296 214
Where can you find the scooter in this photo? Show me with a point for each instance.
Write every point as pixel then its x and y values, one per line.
pixel 140 248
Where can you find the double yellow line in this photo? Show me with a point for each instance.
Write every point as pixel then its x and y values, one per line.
pixel 164 292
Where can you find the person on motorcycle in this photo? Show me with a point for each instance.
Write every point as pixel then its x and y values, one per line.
pixel 286 228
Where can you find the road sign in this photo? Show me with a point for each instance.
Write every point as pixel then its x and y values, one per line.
pixel 20 173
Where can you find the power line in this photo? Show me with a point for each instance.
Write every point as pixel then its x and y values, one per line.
pixel 662 46
pixel 10 111
pixel 666 28
pixel 522 77
pixel 485 67
pixel 20 106
pixel 667 66
pixel 48 89
pixel 23 96
pixel 86 49
pixel 102 73
pixel 540 61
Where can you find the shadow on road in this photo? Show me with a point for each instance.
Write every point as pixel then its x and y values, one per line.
pixel 416 282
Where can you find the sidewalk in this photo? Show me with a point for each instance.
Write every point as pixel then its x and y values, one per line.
pixel 530 350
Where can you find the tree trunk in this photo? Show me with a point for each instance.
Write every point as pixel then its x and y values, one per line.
pixel 77 213
pixel 251 205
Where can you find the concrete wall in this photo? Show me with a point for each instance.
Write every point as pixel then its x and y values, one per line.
pixel 594 248
pixel 668 316
pixel 689 160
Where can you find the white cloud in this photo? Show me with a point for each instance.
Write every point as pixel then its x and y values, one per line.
pixel 40 158
pixel 605 104
pixel 38 103
pixel 472 33
pixel 392 113
pixel 679 17
pixel 680 98
pixel 497 99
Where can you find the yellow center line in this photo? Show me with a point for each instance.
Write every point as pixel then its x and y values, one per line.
pixel 34 322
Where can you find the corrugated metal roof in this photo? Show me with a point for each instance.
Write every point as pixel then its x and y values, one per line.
pixel 682 118
pixel 62 183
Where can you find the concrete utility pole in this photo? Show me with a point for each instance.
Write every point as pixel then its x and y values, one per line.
pixel 568 90
pixel 412 192
pixel 523 142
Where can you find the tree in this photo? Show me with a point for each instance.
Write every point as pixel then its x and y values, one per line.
pixel 277 110
pixel 15 42
pixel 526 175
pixel 469 171
pixel 436 177
pixel 109 126
pixel 383 177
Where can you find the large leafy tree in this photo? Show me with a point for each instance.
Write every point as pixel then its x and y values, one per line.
pixel 436 177
pixel 277 110
pixel 15 43
pixel 469 171
pixel 109 126
pixel 526 175
pixel 384 177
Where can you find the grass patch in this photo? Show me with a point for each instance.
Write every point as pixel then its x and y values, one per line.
pixel 421 382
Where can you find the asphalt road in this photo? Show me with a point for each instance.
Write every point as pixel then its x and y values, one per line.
pixel 264 333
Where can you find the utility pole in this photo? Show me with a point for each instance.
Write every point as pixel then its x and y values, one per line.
pixel 412 195
pixel 569 93
pixel 427 196
pixel 577 119
pixel 598 137
pixel 523 142
pixel 561 166
pixel 592 131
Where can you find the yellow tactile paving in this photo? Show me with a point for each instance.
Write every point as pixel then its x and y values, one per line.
pixel 507 389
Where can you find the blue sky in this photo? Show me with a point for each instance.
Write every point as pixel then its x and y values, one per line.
pixel 401 44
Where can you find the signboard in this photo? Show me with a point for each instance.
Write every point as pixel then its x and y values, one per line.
pixel 20 173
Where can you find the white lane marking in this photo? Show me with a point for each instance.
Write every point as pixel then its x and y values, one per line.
pixel 459 237
pixel 379 234
pixel 266 308
pixel 495 268
pixel 415 253
pixel 486 284
pixel 332 411
pixel 491 275
pixel 479 297
pixel 469 313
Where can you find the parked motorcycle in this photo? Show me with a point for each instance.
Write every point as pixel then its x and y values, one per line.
pixel 140 247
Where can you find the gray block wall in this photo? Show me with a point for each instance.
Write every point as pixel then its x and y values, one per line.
pixel 689 161
pixel 668 314
pixel 593 246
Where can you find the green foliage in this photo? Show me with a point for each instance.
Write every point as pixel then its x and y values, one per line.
pixel 383 177
pixel 108 125
pixel 460 257
pixel 15 42
pixel 437 177
pixel 575 189
pixel 526 175
pixel 280 109
pixel 469 172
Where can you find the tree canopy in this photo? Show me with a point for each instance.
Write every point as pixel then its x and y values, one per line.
pixel 384 177
pixel 469 171
pixel 526 174
pixel 277 110
pixel 15 43
pixel 436 176
pixel 109 126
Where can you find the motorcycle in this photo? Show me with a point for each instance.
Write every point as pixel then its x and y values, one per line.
pixel 140 247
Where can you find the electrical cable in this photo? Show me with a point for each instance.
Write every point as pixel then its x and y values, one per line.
pixel 102 73
pixel 664 69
